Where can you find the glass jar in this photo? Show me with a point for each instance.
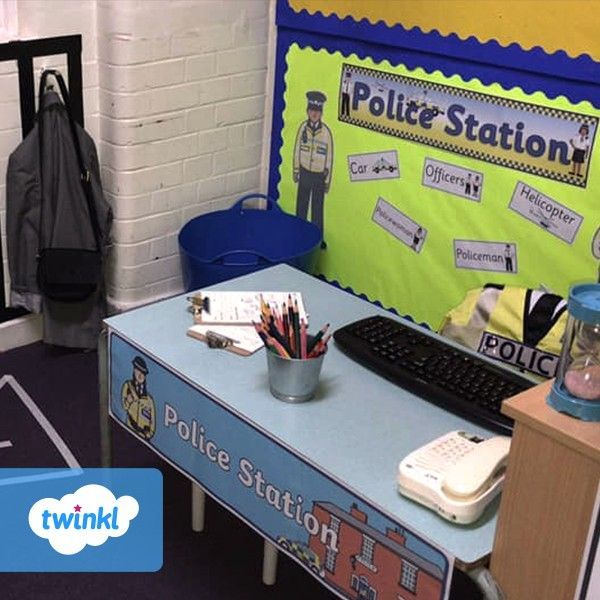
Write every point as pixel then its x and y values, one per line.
pixel 576 389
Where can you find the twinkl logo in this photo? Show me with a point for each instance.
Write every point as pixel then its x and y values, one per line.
pixel 90 515
pixel 81 520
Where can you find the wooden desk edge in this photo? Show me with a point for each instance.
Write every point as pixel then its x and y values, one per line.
pixel 531 409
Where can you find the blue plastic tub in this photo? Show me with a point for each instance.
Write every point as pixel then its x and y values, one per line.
pixel 228 243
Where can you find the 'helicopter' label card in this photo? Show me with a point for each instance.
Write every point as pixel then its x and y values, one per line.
pixel 545 212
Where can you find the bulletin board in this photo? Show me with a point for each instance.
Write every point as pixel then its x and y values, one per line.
pixel 455 147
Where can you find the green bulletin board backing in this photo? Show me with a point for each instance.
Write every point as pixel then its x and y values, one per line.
pixel 438 185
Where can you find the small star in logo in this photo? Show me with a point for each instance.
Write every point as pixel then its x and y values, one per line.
pixel 77 508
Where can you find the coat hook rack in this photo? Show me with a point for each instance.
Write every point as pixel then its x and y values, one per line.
pixel 24 52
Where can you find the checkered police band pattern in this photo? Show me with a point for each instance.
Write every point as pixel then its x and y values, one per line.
pixel 468 94
pixel 511 162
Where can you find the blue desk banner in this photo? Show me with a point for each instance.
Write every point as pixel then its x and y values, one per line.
pixel 351 547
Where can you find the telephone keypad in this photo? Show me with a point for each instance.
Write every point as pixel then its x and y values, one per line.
pixel 444 453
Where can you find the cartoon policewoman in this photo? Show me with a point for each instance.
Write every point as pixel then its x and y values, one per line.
pixel 581 148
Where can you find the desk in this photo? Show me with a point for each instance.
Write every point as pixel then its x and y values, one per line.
pixel 319 474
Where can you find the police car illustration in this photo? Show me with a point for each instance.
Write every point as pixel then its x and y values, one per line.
pixel 384 165
pixel 303 553
pixel 423 102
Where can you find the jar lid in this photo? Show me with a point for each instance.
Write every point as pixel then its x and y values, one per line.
pixel 584 302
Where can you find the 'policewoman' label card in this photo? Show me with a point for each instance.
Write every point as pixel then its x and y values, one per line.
pixel 399 225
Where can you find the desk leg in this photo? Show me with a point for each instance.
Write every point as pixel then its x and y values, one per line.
pixel 487 584
pixel 198 501
pixel 269 563
pixel 105 433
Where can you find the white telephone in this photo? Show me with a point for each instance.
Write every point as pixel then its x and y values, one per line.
pixel 457 475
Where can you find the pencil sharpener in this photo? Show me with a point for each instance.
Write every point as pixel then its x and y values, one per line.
pixel 576 389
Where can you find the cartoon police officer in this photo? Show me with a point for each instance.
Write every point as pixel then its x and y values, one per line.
pixel 313 157
pixel 138 404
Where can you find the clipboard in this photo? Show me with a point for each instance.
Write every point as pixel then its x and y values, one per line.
pixel 239 340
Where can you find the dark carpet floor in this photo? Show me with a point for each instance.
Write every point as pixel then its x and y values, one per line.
pixel 222 563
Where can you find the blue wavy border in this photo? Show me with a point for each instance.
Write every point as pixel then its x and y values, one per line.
pixel 513 57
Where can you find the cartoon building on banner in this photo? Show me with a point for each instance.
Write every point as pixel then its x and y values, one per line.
pixel 441 183
pixel 365 562
pixel 372 564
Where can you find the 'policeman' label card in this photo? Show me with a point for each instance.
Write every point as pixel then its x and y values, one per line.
pixel 485 256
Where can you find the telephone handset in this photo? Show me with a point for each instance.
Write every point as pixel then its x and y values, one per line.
pixel 457 475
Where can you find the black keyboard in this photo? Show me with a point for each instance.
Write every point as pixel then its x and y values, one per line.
pixel 438 372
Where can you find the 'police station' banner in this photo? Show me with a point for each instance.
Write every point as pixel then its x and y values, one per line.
pixel 531 138
pixel 310 516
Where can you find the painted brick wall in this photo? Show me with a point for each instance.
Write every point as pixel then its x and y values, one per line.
pixel 174 97
pixel 181 102
pixel 45 18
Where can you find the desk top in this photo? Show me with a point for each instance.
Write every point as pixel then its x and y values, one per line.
pixel 358 427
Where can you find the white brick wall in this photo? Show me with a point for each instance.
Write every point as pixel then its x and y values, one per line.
pixel 174 96
pixel 181 102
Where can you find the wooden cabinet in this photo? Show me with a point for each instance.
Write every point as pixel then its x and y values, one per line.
pixel 548 500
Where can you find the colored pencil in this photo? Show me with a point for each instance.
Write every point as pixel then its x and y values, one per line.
pixel 303 353
pixel 320 347
pixel 317 338
pixel 279 349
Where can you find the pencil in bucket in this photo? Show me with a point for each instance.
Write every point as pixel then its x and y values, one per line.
pixel 294 357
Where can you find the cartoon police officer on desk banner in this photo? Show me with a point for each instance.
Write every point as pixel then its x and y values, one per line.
pixel 137 402
pixel 313 157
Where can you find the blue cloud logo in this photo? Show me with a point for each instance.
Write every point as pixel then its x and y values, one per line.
pixel 89 516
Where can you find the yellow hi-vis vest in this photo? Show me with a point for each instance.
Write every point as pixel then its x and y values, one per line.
pixel 518 326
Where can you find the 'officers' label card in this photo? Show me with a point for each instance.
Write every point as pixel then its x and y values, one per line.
pixel 453 179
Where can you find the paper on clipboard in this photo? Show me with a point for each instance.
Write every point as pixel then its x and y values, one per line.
pixel 242 308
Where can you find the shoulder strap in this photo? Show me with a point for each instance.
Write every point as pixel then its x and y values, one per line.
pixel 84 173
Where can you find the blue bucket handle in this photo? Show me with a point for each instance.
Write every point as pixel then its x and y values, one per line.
pixel 222 258
pixel 239 205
